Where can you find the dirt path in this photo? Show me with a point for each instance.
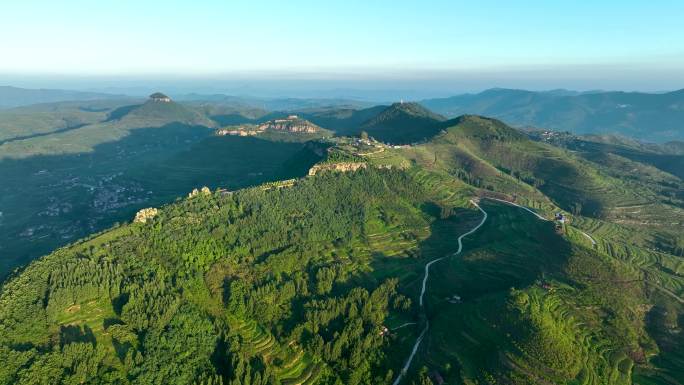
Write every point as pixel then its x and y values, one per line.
pixel 666 291
pixel 406 324
pixel 522 207
pixel 404 370
pixel 593 242
pixel 422 293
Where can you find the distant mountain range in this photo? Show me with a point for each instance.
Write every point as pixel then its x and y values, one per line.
pixel 649 117
pixel 16 97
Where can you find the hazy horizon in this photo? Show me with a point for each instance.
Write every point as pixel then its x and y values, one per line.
pixel 429 49
pixel 371 87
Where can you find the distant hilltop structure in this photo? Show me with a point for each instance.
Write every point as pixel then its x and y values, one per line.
pixel 160 98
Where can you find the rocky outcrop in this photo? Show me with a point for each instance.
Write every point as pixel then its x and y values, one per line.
pixel 339 167
pixel 195 192
pixel 290 124
pixel 240 131
pixel 144 215
pixel 160 98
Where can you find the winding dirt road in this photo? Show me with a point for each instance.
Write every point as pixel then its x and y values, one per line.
pixel 422 293
pixel 591 239
pixel 404 370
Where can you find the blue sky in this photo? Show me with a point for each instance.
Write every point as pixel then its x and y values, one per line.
pixel 399 39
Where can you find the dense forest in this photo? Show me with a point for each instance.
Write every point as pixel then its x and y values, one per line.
pixel 165 301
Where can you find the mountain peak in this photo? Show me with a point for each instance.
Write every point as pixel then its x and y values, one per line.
pixel 413 109
pixel 403 123
pixel 159 97
pixel 482 128
pixel 159 109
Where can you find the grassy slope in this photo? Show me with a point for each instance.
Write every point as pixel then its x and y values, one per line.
pixel 491 155
pixel 531 335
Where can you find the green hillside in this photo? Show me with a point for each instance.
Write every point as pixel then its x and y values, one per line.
pixel 44 119
pixel 494 156
pixel 403 123
pixel 668 157
pixel 344 121
pixel 268 312
pixel 293 282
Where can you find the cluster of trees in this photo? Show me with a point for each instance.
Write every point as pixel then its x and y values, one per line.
pixel 524 176
pixel 471 179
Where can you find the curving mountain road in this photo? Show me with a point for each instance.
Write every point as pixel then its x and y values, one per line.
pixel 422 293
pixel 517 205
pixel 404 370
pixel 591 239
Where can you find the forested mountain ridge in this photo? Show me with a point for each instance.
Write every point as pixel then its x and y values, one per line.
pixel 122 304
pixel 315 279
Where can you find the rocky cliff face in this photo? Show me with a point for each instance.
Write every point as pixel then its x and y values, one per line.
pixel 238 132
pixel 290 124
pixel 340 167
pixel 195 192
pixel 144 215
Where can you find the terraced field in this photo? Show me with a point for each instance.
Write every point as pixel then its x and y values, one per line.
pixel 516 250
pixel 294 365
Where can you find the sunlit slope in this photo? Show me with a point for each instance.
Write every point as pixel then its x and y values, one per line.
pixel 491 155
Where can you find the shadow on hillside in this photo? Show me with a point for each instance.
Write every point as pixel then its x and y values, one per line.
pixel 75 333
pixel 121 112
pixel 511 249
pixel 40 134
pixel 47 201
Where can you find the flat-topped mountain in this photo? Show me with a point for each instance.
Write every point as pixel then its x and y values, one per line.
pixel 160 97
pixel 291 123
